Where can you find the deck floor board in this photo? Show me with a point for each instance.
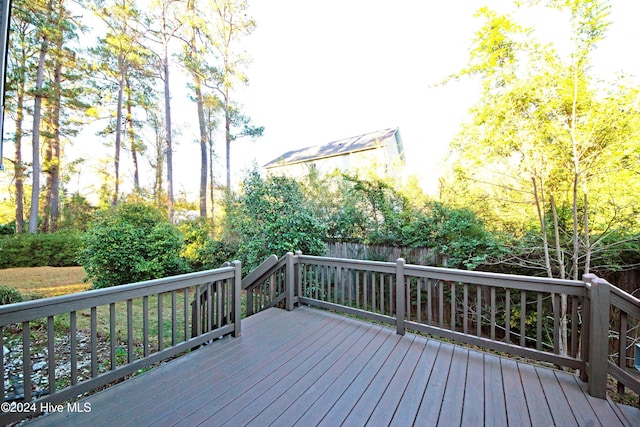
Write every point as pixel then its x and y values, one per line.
pixel 311 367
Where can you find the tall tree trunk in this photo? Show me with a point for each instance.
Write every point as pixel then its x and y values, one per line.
pixel 169 148
pixel 564 336
pixel 587 239
pixel 197 85
pixel 576 175
pixel 576 240
pixel 227 134
pixel 159 166
pixel 556 229
pixel 203 146
pixel 132 139
pixel 54 168
pixel 212 183
pixel 118 143
pixel 543 228
pixel 46 165
pixel 35 137
pixel 52 209
pixel 19 168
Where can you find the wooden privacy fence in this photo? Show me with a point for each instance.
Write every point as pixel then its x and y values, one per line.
pixel 59 348
pixel 349 250
pixel 586 325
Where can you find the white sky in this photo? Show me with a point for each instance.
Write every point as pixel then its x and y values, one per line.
pixel 328 70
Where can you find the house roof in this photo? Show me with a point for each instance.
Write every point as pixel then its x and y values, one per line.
pixel 367 141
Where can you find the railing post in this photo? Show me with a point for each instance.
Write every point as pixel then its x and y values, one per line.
pixel 400 291
pixel 585 329
pixel 289 280
pixel 298 276
pixel 598 337
pixel 237 287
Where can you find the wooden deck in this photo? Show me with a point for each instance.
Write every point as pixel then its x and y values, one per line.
pixel 309 367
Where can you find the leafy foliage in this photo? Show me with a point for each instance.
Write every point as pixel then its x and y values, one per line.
pixel 200 249
pixel 457 235
pixel 379 212
pixel 9 295
pixel 34 250
pixel 272 217
pixel 537 157
pixel 131 243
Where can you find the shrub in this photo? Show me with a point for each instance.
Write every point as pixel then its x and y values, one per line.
pixel 39 250
pixel 131 243
pixel 272 217
pixel 456 234
pixel 9 295
pixel 214 253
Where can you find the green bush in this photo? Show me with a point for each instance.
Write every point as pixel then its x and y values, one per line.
pixel 9 295
pixel 39 250
pixel 214 253
pixel 456 234
pixel 131 243
pixel 272 217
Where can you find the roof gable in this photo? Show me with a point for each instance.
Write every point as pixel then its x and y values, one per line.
pixel 341 147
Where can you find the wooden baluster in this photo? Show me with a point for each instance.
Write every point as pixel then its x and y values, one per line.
pixel 130 350
pixel 112 335
pixel 26 360
pixel 441 303
pixel 507 316
pixel 523 318
pixel 429 303
pixel 622 347
pixel 453 306
pixel 74 347
pixel 94 343
pixel 51 350
pixel 174 318
pixel 479 310
pixel 465 308
pixel 145 320
pixel 574 326
pixel 493 313
pixel 160 323
pixel 539 322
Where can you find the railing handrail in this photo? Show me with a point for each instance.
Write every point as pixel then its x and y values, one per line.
pixel 268 267
pixel 378 266
pixel 516 281
pixel 573 287
pixel 625 301
pixel 30 310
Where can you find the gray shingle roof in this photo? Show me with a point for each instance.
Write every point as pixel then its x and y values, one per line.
pixel 367 141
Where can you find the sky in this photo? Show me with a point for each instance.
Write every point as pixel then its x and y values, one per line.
pixel 323 71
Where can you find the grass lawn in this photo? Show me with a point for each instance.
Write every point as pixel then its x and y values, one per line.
pixel 42 282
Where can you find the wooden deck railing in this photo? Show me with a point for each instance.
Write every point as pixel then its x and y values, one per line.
pixel 562 322
pixel 72 344
pixel 618 319
pixel 266 286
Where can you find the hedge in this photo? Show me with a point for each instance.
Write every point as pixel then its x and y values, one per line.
pixel 39 250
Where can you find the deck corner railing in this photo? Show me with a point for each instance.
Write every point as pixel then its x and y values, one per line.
pixel 58 349
pixel 613 337
pixel 590 326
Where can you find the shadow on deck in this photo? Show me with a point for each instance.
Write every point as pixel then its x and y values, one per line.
pixel 311 367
